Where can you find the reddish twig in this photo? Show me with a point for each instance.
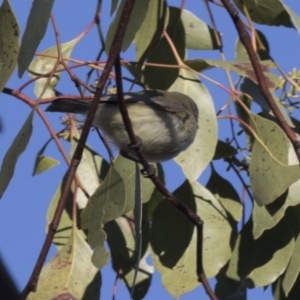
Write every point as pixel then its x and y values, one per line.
pixel 114 51
pixel 246 41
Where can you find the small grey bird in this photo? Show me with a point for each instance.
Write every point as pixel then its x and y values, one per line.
pixel 166 122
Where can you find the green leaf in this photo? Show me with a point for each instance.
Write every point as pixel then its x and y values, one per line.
pixel 262 46
pixel 294 17
pixel 252 89
pixel 44 65
pixel 198 35
pixel 126 169
pixel 152 28
pixel 35 30
pixel 224 150
pixel 174 239
pixel 114 5
pixel 69 273
pixel 163 77
pixel 121 240
pixel 13 153
pixel 293 269
pixel 64 228
pixel 156 197
pixel 267 12
pixel 137 17
pixel 44 163
pixel 260 262
pixel 242 68
pixel 270 160
pixel 91 171
pixel 203 148
pixel 107 201
pixel 225 193
pixel 266 217
pixel 9 41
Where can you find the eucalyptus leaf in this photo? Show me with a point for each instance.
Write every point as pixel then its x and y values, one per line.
pixel 203 148
pixel 174 239
pixel 44 163
pixel 260 262
pixel 64 228
pixel 267 12
pixel 121 240
pixel 261 44
pixel 163 77
pixel 151 29
pixel 252 89
pixel 44 65
pixel 126 169
pixel 294 17
pixel 34 32
pixel 137 17
pixel 293 269
pixel 198 35
pixel 243 68
pixel 224 150
pixel 266 217
pixel 91 171
pixel 114 5
pixel 270 160
pixel 9 41
pixel 225 193
pixel 70 272
pixel 12 155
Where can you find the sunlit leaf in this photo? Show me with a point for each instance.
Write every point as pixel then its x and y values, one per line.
pixel 64 228
pixel 269 161
pixel 91 171
pixel 69 274
pixel 260 262
pixel 126 169
pixel 35 29
pixel 174 239
pixel 266 217
pixel 242 68
pixel 44 65
pixel 198 35
pixel 44 163
pixel 203 148
pixel 108 200
pixel 225 194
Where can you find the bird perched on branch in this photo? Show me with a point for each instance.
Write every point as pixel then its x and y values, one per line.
pixel 166 122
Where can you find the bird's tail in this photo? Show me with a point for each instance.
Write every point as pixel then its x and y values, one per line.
pixel 71 106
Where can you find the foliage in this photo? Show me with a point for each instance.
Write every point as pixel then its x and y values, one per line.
pixel 240 252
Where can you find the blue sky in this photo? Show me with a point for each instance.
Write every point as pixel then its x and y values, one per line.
pixel 24 204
